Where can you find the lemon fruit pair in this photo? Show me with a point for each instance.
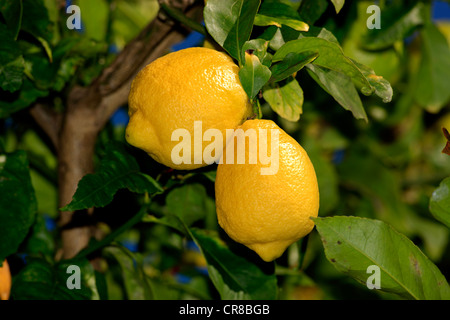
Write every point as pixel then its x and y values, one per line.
pixel 266 213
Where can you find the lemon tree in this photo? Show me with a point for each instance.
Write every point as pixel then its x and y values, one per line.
pixel 355 207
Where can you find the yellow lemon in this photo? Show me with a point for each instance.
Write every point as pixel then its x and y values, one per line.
pixel 173 92
pixel 266 212
pixel 5 281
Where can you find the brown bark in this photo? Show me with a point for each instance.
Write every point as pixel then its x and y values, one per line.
pixel 87 111
pixel 48 120
pixel 75 159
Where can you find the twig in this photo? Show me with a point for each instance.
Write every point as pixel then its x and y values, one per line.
pixel 49 121
pixel 110 237
pixel 115 81
pixel 181 17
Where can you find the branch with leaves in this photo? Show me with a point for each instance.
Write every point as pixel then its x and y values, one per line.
pixel 73 131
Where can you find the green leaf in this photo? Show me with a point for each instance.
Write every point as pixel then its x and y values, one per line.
pixel 397 23
pixel 40 280
pixel 278 9
pixel 286 99
pixel 235 276
pixel 330 56
pixel 95 245
pixel 11 61
pixel 230 23
pixel 188 202
pixel 432 78
pixel 340 87
pixel 382 87
pixel 35 21
pixel 253 75
pixel 88 279
pixel 167 220
pixel 275 38
pixel 440 202
pixel 338 4
pixel 352 244
pixel 101 285
pixel 128 18
pixel 291 64
pixel 262 20
pixel 11 74
pixel 17 202
pixel 322 33
pixel 388 62
pixel 95 16
pixel 311 10
pixel 68 55
pixel 385 193
pixel 13 102
pixel 211 175
pixel 327 177
pixel 12 11
pixel 39 241
pixel 134 278
pixel 118 170
pixel 258 47
pixel 42 71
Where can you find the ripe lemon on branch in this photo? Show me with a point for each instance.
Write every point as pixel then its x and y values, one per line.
pixel 5 281
pixel 178 89
pixel 267 212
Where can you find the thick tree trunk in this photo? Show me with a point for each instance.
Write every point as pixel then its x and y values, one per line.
pixel 76 152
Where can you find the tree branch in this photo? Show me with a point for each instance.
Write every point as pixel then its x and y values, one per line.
pixel 115 81
pixel 119 97
pixel 49 121
pixel 131 58
pixel 87 111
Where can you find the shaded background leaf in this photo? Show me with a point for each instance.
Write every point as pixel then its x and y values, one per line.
pixel 398 23
pixel 385 193
pixel 17 203
pixel 234 276
pixel 135 281
pixel 40 280
pixel 11 61
pixel 12 11
pixel 440 202
pixel 432 82
pixel 190 203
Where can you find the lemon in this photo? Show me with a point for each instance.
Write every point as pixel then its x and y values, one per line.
pixel 5 281
pixel 178 89
pixel 267 212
